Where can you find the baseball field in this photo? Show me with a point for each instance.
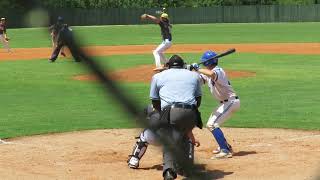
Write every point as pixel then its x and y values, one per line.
pixel 57 123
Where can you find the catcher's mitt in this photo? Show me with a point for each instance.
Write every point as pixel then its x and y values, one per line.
pixel 143 16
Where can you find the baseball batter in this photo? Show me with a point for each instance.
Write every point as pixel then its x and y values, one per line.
pixel 165 27
pixel 3 34
pixel 221 89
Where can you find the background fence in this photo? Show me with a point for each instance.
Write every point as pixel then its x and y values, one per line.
pixel 216 14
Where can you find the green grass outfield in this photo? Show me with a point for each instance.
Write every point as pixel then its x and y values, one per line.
pixel 182 34
pixel 38 97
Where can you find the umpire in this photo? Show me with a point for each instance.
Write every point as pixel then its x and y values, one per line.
pixel 176 93
pixel 64 34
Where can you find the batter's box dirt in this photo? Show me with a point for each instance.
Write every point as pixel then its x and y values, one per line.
pixel 101 154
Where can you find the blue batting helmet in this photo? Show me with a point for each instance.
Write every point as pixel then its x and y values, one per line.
pixel 207 56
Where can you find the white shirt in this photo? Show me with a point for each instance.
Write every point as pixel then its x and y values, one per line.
pixel 220 87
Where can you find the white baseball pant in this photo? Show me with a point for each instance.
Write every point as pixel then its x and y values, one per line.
pixel 4 42
pixel 158 53
pixel 223 113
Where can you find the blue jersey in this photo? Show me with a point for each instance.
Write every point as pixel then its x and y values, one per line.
pixel 175 86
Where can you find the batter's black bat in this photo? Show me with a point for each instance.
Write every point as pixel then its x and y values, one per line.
pixel 230 51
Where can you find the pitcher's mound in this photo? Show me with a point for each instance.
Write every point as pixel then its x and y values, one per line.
pixel 144 73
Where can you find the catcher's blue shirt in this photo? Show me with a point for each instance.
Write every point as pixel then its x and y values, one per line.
pixel 175 86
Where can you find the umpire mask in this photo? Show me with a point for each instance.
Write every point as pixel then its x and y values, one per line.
pixel 175 61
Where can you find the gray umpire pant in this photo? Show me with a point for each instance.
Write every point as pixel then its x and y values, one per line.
pixel 176 151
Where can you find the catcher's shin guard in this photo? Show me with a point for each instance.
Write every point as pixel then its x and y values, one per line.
pixel 138 151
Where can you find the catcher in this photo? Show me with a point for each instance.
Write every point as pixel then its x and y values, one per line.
pixel 64 33
pixel 3 34
pixel 166 27
pixel 147 137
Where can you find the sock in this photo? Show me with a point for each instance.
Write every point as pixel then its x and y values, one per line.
pixel 218 135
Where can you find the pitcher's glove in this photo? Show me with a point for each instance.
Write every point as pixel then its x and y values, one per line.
pixel 143 16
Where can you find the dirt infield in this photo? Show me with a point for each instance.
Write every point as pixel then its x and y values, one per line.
pixel 267 154
pixel 144 73
pixel 277 48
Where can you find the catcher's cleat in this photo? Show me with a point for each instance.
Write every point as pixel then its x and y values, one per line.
pixel 169 174
pixel 133 162
pixel 223 154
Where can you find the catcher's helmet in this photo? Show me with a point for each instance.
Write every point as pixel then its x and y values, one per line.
pixel 175 61
pixel 208 58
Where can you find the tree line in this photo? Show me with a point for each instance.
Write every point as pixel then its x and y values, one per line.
pixel 25 4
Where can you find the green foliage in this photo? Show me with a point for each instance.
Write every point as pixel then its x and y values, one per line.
pixel 296 2
pixel 5 5
pixel 99 3
pixel 165 3
pixel 8 5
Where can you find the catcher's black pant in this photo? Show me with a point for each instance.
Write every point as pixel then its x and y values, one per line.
pixel 56 52
pixel 176 151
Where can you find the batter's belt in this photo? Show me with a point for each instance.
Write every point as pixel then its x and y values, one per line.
pixel 232 98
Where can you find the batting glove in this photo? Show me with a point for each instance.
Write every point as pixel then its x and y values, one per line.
pixel 195 66
pixel 189 67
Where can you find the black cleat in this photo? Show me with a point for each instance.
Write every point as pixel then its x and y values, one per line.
pixel 169 175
